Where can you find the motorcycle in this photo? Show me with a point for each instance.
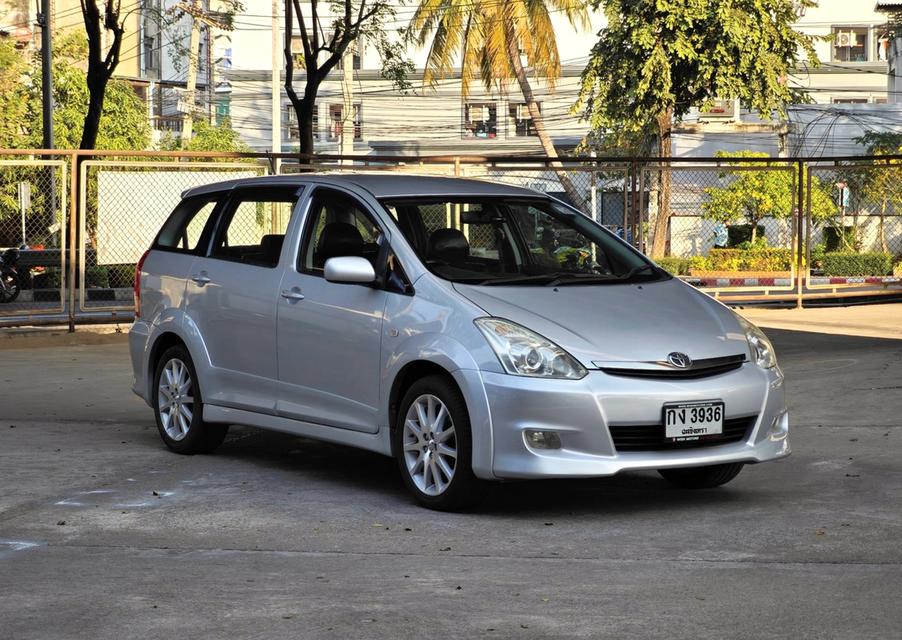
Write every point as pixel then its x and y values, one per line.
pixel 10 283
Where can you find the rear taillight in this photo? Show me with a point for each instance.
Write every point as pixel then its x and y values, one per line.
pixel 137 286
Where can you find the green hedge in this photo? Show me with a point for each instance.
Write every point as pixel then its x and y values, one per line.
pixel 758 259
pixel 674 265
pixel 844 263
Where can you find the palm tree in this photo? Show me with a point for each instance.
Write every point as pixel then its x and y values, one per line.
pixel 487 39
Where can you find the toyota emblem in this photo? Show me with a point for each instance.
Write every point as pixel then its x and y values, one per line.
pixel 679 360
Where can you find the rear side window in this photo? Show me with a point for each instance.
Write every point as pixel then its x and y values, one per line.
pixel 253 226
pixel 188 225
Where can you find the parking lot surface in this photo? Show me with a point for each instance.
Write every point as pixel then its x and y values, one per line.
pixel 105 534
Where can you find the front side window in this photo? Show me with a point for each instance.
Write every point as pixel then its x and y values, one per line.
pixel 253 227
pixel 494 241
pixel 185 228
pixel 337 226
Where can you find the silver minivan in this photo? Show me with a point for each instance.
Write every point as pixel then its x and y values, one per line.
pixel 475 331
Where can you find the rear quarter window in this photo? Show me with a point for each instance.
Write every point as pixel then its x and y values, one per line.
pixel 189 225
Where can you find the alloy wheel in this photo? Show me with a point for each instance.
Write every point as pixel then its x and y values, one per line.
pixel 175 399
pixel 430 445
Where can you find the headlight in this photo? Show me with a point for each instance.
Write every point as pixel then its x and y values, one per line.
pixel 762 349
pixel 525 353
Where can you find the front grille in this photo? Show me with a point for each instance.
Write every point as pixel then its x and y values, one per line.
pixel 699 369
pixel 650 437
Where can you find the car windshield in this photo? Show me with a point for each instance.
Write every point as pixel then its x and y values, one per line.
pixel 502 241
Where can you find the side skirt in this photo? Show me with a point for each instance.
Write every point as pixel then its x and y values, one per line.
pixel 378 442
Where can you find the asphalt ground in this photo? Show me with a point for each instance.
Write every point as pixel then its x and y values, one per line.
pixel 105 534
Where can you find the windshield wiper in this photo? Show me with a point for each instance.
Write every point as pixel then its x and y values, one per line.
pixel 565 279
pixel 491 282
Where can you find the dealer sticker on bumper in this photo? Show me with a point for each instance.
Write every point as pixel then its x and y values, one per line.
pixel 692 420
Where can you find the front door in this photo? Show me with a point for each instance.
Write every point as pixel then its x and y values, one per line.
pixel 232 294
pixel 329 334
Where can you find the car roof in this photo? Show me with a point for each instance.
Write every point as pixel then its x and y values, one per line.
pixel 380 185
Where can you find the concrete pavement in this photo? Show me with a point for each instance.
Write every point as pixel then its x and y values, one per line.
pixel 105 534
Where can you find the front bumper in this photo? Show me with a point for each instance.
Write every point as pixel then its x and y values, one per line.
pixel 580 411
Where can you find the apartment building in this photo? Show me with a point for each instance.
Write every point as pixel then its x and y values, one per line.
pixel 853 70
pixel 19 20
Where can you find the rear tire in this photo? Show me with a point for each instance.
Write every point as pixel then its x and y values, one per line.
pixel 178 406
pixel 702 477
pixel 433 445
pixel 11 286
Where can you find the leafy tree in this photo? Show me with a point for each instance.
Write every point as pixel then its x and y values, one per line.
pixel 13 107
pixel 754 195
pixel 657 59
pixel 486 38
pixel 123 124
pixel 208 137
pixel 324 47
pixel 880 184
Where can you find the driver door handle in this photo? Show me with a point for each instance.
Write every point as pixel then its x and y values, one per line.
pixel 292 294
pixel 201 278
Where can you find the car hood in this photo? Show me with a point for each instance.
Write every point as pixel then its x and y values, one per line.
pixel 600 324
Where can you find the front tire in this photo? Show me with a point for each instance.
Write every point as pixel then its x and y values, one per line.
pixel 178 406
pixel 702 477
pixel 433 445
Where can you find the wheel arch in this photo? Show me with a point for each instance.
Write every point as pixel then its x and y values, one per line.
pixel 405 378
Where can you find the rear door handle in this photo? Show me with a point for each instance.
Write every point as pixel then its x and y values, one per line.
pixel 201 278
pixel 292 294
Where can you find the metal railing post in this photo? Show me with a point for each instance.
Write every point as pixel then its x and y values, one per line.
pixel 74 213
pixel 800 217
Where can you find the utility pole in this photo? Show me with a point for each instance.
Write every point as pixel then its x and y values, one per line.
pixel 277 46
pixel 46 74
pixel 211 109
pixel 188 99
pixel 347 93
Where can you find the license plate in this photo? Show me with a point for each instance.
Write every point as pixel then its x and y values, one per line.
pixel 693 420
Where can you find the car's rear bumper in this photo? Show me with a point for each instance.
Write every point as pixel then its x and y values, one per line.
pixel 580 411
pixel 138 337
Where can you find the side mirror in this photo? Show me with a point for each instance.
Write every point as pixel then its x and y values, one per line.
pixel 350 270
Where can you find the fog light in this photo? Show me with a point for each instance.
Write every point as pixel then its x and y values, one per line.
pixel 543 439
pixel 779 428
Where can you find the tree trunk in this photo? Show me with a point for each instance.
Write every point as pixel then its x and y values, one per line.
pixel 513 50
pixel 96 90
pixel 665 151
pixel 304 110
pixel 882 231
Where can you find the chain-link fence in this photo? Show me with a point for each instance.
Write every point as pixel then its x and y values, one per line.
pixel 728 225
pixel 122 206
pixel 853 231
pixel 33 229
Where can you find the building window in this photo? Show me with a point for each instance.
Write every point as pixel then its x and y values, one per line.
pixel 223 110
pixel 355 52
pixel 523 124
pixel 850 44
pixel 336 122
pixel 850 100
pixel 291 130
pixel 480 120
pixel 150 49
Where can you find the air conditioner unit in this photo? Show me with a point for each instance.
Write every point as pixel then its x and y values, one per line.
pixel 846 39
